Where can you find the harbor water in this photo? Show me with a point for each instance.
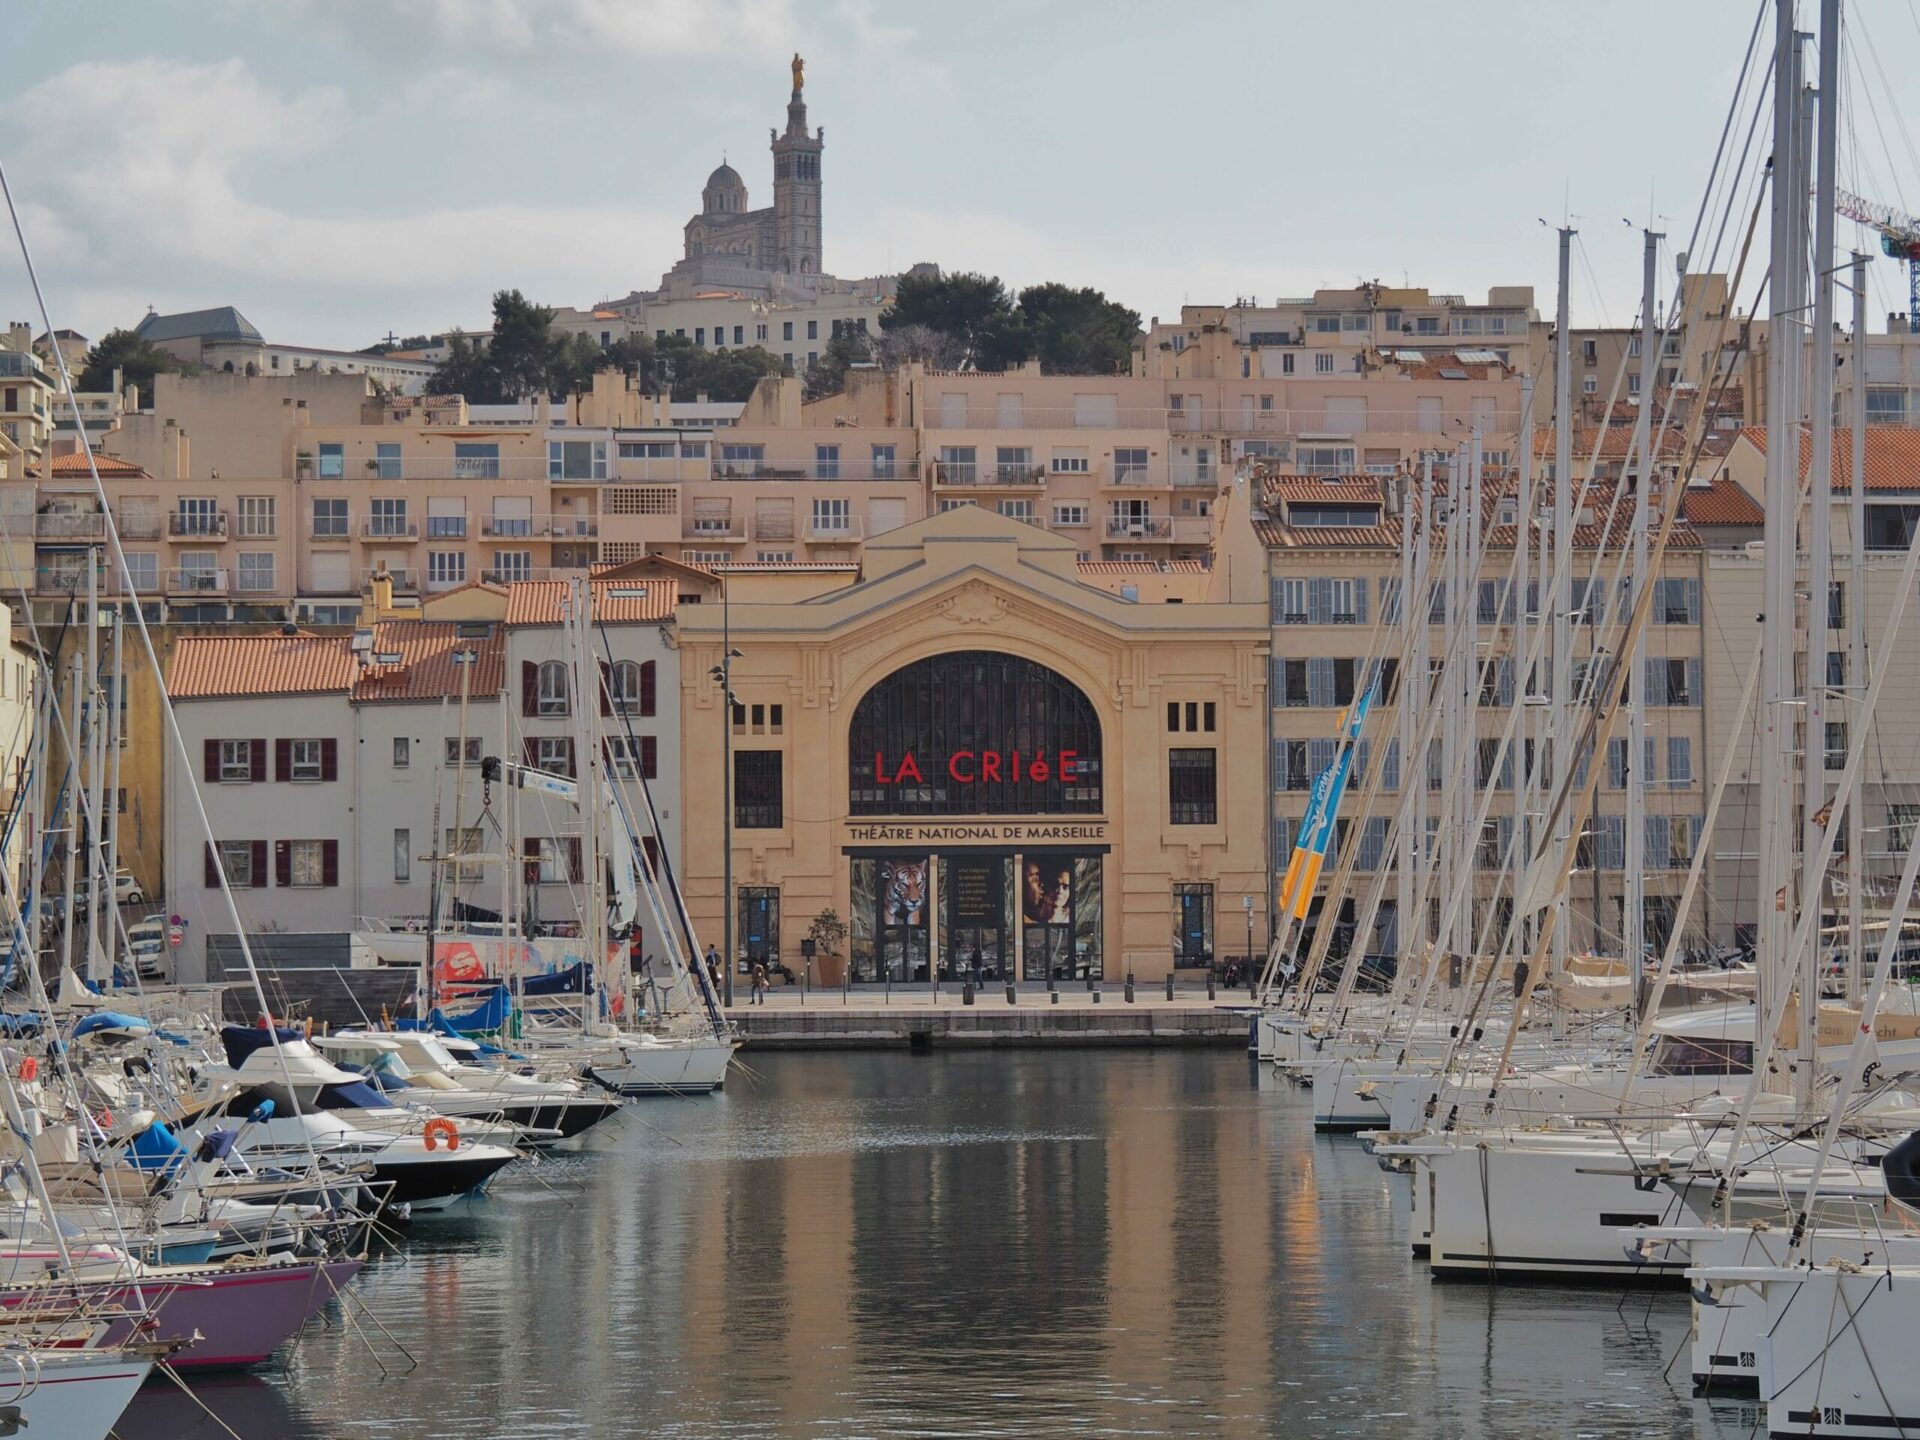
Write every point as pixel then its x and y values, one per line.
pixel 999 1243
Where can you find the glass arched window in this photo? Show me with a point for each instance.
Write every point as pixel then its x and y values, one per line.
pixel 553 689
pixel 635 690
pixel 974 733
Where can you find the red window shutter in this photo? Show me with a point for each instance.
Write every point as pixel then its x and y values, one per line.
pixel 606 688
pixel 573 768
pixel 213 865
pixel 573 858
pixel 257 761
pixel 330 862
pixel 210 754
pixel 647 687
pixel 530 752
pixel 529 688
pixel 283 863
pixel 649 758
pixel 282 760
pixel 329 759
pixel 651 849
pixel 257 862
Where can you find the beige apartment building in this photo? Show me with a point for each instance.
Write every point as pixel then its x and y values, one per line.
pixel 1333 550
pixel 26 395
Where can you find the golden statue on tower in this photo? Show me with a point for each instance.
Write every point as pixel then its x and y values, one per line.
pixel 799 72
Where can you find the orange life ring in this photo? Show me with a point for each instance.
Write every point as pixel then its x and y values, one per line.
pixel 439 1126
pixel 30 1069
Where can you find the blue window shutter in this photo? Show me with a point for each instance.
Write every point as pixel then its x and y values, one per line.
pixel 1506 770
pixel 1319 601
pixel 1390 601
pixel 1437 606
pixel 1654 685
pixel 1320 680
pixel 1693 680
pixel 1693 601
pixel 1319 756
pixel 1658 842
pixel 1506 681
pixel 1276 612
pixel 1390 767
pixel 1617 764
pixel 1434 766
pixel 1679 760
pixel 1613 850
pixel 1362 754
pixel 1360 599
pixel 1649 770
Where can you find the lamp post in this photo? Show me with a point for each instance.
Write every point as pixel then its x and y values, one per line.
pixel 1246 904
pixel 723 676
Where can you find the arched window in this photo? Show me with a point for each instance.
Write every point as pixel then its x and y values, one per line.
pixel 553 689
pixel 632 685
pixel 974 733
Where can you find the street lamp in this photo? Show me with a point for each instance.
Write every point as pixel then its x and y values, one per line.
pixel 722 675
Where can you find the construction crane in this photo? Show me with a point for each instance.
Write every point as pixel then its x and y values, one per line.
pixel 1899 237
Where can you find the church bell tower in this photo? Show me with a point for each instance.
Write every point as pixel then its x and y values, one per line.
pixel 796 186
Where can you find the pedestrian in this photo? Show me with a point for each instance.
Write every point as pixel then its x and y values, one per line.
pixel 713 967
pixel 759 984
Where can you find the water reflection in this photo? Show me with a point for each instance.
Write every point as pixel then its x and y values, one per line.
pixel 1001 1244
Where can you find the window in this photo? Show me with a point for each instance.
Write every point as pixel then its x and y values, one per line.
pixel 552 753
pixel 256 516
pixel 144 567
pixel 256 570
pixel 826 462
pixel 1286 363
pixel 304 760
pixel 1070 515
pixel 1901 823
pixel 699 334
pixel 741 461
pixel 1016 509
pixel 1013 464
pixel 647 450
pixel 1837 605
pixel 510 519
pixel 329 519
pixel 633 686
pixel 333 461
pixel 512 566
pixel 786 330
pixel 446 568
pixel 306 863
pixel 1342 608
pixel 1836 744
pixel 1679 760
pixel 1129 464
pixel 402 857
pixel 454 756
pixel 1070 462
pixel 1589 385
pixel 1886 407
pixel 1891 527
pixel 402 752
pixel 1326 324
pixel 1193 925
pixel 813 329
pixel 387 518
pixel 883 462
pixel 236 761
pixel 386 461
pixel 693 449
pixel 449 525
pixel 757 793
pixel 1290 603
pixel 774 557
pixel 957 465
pixel 236 862
pixel 629 757
pixel 1191 788
pixel 568 460
pixel 739 334
pixel 1322 363
pixel 832 517
pixel 553 689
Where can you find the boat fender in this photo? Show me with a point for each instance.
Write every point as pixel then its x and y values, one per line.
pixel 438 1126
pixel 1901 1167
pixel 29 1070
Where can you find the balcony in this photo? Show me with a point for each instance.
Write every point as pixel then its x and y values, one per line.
pixel 197 525
pixel 523 574
pixel 964 473
pixel 67 580
pixel 381 527
pixel 255 527
pixel 431 467
pixel 1196 477
pixel 197 582
pixel 837 529
pixel 1139 527
pixel 1135 477
pixel 143 525
pixel 539 527
pixel 404 581
pixel 335 530
pixel 713 527
pixel 70 526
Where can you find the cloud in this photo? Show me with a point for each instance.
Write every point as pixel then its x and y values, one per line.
pixel 643 29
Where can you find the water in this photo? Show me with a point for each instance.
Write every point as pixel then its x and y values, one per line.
pixel 1101 1243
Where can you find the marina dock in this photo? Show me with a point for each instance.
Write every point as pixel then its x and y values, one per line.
pixel 866 1019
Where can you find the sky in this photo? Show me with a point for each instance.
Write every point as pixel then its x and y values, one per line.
pixel 339 169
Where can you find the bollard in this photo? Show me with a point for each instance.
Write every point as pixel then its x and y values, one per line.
pixel 1209 984
pixel 1096 993
pixel 1053 995
pixel 1169 985
pixel 1090 982
pixel 966 993
pixel 1009 992
pixel 1129 987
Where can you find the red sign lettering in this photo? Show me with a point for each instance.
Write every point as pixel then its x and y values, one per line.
pixel 977 767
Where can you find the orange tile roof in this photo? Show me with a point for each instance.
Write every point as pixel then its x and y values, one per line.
pixel 426 670
pixel 539 602
pixel 1143 567
pixel 1893 455
pixel 230 666
pixel 1721 503
pixel 110 466
pixel 1613 445
pixel 1332 489
pixel 1384 536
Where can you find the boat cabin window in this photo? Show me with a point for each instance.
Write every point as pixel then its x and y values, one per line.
pixel 1684 1055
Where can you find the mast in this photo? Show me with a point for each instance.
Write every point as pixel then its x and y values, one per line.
pixel 1521 602
pixel 90 741
pixel 1412 691
pixel 72 788
pixel 1857 618
pixel 593 913
pixel 110 812
pixel 1633 908
pixel 1560 598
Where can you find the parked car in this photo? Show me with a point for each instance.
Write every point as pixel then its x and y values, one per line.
pixel 126 889
pixel 148 941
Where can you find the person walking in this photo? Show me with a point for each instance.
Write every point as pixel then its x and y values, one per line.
pixel 713 967
pixel 759 983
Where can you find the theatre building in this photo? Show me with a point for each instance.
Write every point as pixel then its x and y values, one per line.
pixel 976 758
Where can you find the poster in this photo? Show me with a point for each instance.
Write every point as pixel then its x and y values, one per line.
pixel 1046 892
pixel 903 893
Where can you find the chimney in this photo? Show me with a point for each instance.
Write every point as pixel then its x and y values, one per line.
pixel 380 587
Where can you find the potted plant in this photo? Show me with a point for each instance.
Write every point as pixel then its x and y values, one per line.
pixel 303 462
pixel 829 935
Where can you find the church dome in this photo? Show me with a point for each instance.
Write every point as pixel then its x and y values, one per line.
pixel 726 192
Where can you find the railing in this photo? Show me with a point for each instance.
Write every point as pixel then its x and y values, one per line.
pixel 446 527
pixel 256 585
pixel 523 574
pixel 1233 419
pixel 70 526
pixel 430 467
pixel 192 525
pixel 1136 477
pixel 539 527
pixel 337 531
pixel 713 527
pixel 403 579
pixel 849 528
pixel 255 528
pixel 197 582
pixel 137 527
pixel 1152 527
pixel 1194 478
pixel 962 472
pixel 384 528
pixel 1192 530
pixel 68 581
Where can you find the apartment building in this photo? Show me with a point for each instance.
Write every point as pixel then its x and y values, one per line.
pixel 1333 550
pixel 26 395
pixel 323 761
pixel 222 339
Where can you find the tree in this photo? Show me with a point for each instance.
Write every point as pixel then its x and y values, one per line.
pixel 524 354
pixel 828 375
pixel 1077 332
pixel 974 309
pixel 687 370
pixel 137 360
pixel 935 349
pixel 466 371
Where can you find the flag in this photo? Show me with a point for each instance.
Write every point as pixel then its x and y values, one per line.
pixel 1323 809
